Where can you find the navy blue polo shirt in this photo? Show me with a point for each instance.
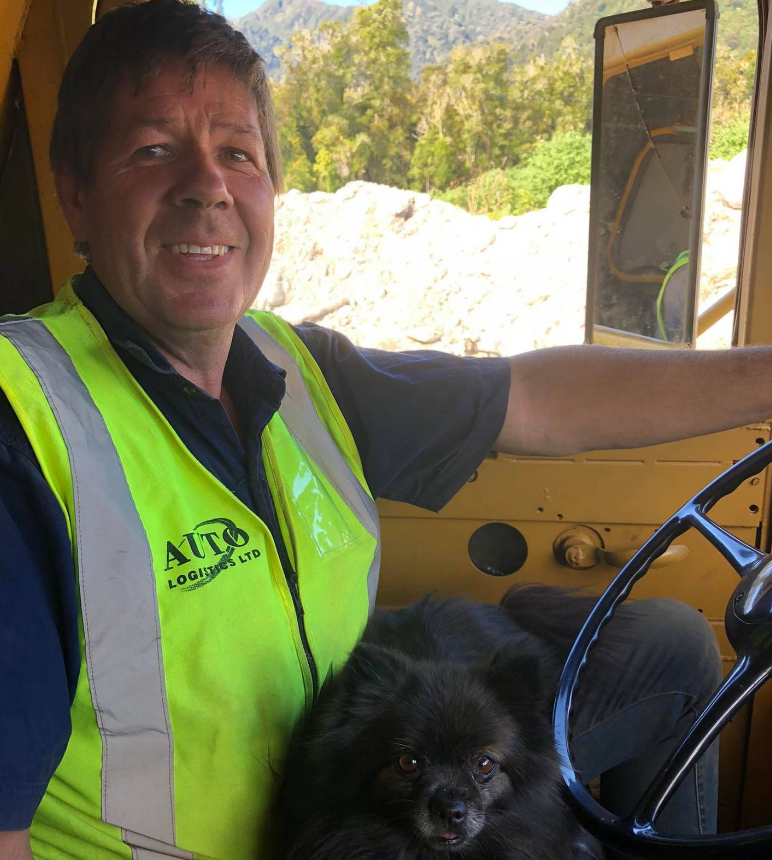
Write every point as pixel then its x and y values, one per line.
pixel 422 422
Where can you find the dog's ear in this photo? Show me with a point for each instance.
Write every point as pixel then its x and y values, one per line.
pixel 516 675
pixel 370 663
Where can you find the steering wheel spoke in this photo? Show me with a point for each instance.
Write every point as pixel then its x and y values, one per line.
pixel 739 554
pixel 742 682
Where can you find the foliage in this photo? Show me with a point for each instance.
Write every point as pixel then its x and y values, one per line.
pixel 732 90
pixel 732 83
pixel 730 137
pixel 344 106
pixel 481 112
pixel 562 160
pixel 483 129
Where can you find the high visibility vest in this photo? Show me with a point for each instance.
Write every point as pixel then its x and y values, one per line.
pixel 196 645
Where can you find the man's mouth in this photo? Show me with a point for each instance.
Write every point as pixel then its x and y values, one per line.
pixel 199 250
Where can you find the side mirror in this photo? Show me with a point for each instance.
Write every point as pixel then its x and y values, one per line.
pixel 653 76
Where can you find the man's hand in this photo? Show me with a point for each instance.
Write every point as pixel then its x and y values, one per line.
pixel 14 845
pixel 569 399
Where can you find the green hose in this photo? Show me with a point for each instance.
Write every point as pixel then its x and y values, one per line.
pixel 681 260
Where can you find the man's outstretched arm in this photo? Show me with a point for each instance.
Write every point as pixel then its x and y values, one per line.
pixel 14 845
pixel 569 399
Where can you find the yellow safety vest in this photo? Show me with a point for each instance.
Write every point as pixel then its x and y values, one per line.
pixel 195 651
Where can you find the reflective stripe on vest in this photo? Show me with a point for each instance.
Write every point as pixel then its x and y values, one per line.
pixel 120 611
pixel 127 684
pixel 298 411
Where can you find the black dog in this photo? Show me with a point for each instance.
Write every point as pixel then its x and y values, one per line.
pixel 434 741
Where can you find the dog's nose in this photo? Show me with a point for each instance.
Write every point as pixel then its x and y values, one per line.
pixel 451 812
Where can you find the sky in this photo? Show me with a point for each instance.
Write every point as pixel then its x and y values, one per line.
pixel 237 8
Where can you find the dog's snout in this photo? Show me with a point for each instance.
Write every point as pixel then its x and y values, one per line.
pixel 449 810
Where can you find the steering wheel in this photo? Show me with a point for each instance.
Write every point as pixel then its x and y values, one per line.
pixel 749 630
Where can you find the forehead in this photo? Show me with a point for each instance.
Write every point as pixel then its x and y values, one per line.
pixel 173 91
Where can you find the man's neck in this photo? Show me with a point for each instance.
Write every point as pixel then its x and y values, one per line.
pixel 202 362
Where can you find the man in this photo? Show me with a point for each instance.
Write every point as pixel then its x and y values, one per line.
pixel 186 493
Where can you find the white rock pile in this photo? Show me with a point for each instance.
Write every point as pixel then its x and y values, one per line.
pixel 397 270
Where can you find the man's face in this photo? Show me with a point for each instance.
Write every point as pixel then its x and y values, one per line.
pixel 180 170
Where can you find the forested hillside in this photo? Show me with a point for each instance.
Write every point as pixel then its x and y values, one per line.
pixel 434 27
pixel 483 129
pixel 271 26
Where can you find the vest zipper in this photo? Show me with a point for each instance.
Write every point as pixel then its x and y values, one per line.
pixel 294 589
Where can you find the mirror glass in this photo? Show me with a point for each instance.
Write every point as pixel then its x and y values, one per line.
pixel 650 121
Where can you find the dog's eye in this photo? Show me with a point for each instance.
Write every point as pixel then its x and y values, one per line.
pixel 484 766
pixel 408 763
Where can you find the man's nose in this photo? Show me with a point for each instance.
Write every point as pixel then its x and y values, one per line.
pixel 201 184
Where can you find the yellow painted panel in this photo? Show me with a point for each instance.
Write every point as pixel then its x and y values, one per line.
pixel 421 555
pixel 42 57
pixel 13 14
pixel 645 485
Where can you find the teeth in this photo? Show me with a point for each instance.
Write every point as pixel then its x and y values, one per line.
pixel 207 250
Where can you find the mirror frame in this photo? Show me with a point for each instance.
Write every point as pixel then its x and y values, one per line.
pixel 604 335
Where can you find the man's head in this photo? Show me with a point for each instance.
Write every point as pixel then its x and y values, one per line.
pixel 164 138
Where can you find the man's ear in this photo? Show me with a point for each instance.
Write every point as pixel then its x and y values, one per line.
pixel 70 192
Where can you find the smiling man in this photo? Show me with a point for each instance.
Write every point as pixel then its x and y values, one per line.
pixel 186 485
pixel 177 211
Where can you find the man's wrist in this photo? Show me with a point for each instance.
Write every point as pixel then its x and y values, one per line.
pixel 15 845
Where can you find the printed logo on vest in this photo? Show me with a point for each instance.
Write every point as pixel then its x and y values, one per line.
pixel 218 539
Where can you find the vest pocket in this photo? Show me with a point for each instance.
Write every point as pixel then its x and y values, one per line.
pixel 327 522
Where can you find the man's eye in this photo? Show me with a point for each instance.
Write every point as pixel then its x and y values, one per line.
pixel 238 155
pixel 155 150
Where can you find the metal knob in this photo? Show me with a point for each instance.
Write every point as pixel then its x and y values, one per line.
pixel 581 548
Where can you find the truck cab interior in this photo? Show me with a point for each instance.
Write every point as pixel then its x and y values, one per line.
pixel 570 521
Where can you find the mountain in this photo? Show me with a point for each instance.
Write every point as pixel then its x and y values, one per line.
pixel 435 27
pixel 737 25
pixel 275 21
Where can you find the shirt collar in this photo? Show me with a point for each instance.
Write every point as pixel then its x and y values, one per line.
pixel 246 363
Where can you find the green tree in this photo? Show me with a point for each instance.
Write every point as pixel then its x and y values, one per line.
pixel 478 82
pixel 434 161
pixel 347 100
pixel 480 112
pixel 298 171
pixel 380 93
pixel 732 83
pixel 564 159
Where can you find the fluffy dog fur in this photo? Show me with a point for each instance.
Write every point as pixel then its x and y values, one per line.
pixel 434 741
